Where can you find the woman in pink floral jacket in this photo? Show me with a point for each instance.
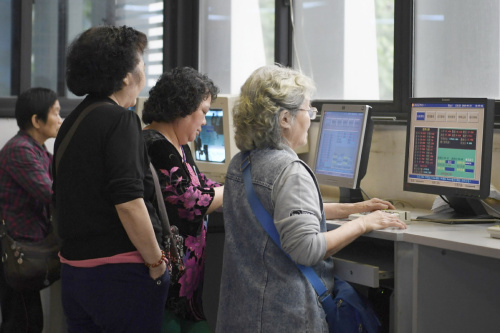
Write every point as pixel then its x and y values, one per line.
pixel 175 112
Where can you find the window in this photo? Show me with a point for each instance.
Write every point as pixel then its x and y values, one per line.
pixel 347 47
pixel 44 49
pixel 147 17
pixel 379 52
pixel 5 49
pixel 143 15
pixel 236 37
pixel 34 54
pixel 457 45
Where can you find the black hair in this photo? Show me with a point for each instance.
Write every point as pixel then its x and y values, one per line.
pixel 100 57
pixel 35 101
pixel 177 94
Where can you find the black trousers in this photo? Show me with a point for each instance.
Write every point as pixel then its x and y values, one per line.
pixel 21 311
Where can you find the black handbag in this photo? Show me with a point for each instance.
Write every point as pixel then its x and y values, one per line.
pixel 30 266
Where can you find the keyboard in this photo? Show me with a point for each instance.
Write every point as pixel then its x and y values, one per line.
pixel 404 215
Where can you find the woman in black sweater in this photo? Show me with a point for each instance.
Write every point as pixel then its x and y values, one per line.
pixel 104 191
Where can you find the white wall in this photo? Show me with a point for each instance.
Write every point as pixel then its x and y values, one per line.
pixel 384 177
pixel 8 128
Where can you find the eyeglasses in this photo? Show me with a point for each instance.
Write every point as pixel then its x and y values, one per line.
pixel 312 112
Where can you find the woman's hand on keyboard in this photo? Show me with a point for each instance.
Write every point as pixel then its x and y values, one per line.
pixel 371 205
pixel 380 220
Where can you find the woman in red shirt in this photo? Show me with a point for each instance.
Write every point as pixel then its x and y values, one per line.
pixel 26 183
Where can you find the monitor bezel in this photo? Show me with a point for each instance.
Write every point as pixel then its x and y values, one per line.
pixel 486 156
pixel 217 170
pixel 363 146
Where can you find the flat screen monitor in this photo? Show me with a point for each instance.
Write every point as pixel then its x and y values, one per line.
pixel 343 148
pixel 448 153
pixel 214 147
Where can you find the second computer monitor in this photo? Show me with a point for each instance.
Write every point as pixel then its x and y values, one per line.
pixel 214 147
pixel 343 148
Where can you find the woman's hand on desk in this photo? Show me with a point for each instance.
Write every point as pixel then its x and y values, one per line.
pixel 380 220
pixel 340 237
pixel 372 204
pixel 343 210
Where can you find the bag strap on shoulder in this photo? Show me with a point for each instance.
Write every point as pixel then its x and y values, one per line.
pixel 267 222
pixel 161 205
pixel 167 232
pixel 72 130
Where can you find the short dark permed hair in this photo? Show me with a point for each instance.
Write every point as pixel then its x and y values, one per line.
pixel 34 101
pixel 177 94
pixel 100 57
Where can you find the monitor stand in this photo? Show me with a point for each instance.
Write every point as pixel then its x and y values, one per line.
pixel 350 195
pixel 465 211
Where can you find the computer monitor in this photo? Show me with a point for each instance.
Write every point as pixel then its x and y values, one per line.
pixel 214 147
pixel 343 148
pixel 448 153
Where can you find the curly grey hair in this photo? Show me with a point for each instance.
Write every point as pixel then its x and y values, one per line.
pixel 266 93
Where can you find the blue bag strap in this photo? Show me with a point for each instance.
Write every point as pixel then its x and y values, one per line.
pixel 267 223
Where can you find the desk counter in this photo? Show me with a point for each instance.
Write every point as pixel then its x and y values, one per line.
pixel 467 238
pixel 445 276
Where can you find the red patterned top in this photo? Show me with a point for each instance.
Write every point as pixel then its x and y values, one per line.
pixel 26 187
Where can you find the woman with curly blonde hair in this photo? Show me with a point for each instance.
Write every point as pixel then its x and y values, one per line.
pixel 261 288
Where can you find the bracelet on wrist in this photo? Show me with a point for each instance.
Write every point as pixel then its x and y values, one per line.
pixel 158 263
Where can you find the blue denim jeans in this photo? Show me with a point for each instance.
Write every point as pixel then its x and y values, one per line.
pixel 113 298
